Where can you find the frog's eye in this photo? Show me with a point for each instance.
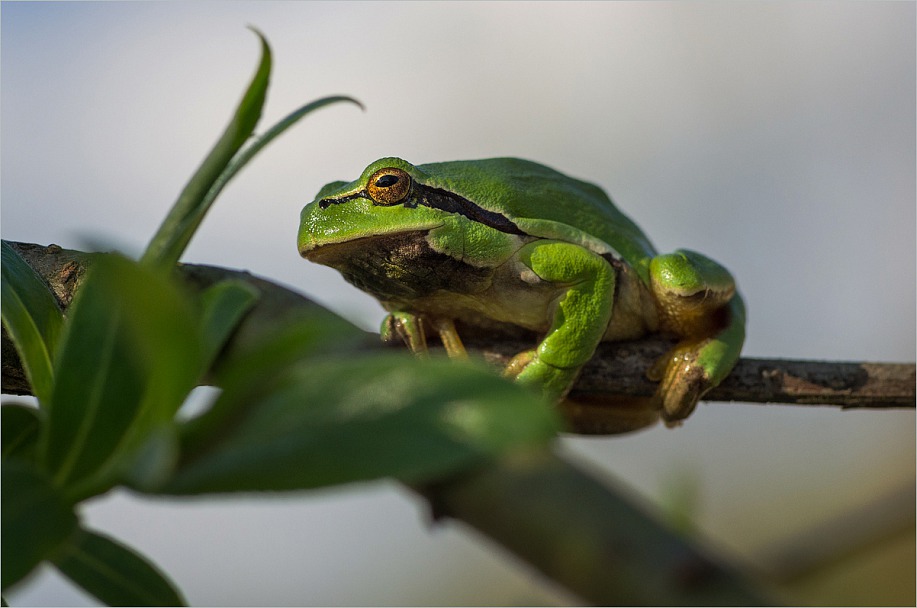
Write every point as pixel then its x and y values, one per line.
pixel 389 186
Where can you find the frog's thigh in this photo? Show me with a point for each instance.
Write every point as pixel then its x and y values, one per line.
pixel 585 284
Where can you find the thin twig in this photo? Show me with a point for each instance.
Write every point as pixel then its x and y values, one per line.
pixel 616 369
pixel 620 367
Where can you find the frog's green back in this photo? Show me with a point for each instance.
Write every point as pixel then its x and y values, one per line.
pixel 544 202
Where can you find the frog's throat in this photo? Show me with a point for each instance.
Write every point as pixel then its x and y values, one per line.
pixel 400 267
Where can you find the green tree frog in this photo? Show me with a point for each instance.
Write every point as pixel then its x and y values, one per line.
pixel 510 241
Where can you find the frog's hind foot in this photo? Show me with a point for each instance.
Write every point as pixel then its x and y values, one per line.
pixel 682 382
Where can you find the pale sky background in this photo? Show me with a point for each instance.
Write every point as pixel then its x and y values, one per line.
pixel 778 138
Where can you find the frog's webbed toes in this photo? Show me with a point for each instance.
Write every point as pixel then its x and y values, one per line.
pixel 699 362
pixel 682 382
pixel 528 369
pixel 518 363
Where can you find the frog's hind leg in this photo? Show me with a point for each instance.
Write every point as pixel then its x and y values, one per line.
pixel 698 301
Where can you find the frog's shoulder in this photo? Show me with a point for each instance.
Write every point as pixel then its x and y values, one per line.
pixel 546 203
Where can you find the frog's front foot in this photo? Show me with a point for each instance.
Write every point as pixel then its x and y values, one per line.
pixel 528 369
pixel 398 327
pixel 404 327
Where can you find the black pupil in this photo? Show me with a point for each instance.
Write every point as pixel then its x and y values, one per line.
pixel 387 181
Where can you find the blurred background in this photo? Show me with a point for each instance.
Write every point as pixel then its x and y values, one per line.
pixel 778 138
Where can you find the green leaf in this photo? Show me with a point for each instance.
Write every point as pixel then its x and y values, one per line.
pixel 32 317
pixel 224 306
pixel 19 426
pixel 186 215
pixel 130 355
pixel 347 419
pixel 113 573
pixel 35 520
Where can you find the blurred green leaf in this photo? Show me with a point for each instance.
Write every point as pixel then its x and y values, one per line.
pixel 130 354
pixel 262 349
pixel 33 319
pixel 114 573
pixel 153 462
pixel 224 306
pixel 19 425
pixel 342 419
pixel 35 520
pixel 176 231
pixel 270 348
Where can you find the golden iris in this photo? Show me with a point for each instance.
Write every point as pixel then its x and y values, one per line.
pixel 389 186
